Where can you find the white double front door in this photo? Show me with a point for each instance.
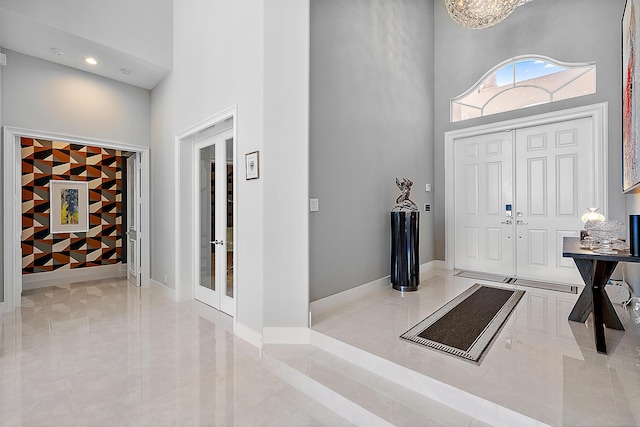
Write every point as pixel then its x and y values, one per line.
pixel 518 193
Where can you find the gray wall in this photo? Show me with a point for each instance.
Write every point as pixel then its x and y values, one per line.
pixel 43 96
pixel 371 120
pixel 568 30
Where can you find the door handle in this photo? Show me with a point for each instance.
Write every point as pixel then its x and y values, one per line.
pixel 507 222
pixel 520 222
pixel 217 242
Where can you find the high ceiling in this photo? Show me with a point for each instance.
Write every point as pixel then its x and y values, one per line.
pixel 121 34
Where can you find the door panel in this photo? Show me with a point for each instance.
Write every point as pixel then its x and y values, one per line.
pixel 552 192
pixel 484 240
pixel 133 219
pixel 227 198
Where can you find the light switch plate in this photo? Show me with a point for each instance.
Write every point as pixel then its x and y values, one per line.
pixel 427 187
pixel 313 205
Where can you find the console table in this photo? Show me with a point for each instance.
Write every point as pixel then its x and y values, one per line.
pixel 595 269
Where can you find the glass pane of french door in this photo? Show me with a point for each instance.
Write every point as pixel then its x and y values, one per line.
pixel 207 218
pixel 229 217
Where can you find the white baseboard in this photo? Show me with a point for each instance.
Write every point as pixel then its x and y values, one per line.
pixel 427 267
pixel 442 264
pixel 48 278
pixel 274 335
pixel 166 291
pixel 327 303
pixel 247 334
pixel 432 265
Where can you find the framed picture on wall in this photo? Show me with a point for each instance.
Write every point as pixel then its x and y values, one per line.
pixel 69 203
pixel 252 161
pixel 630 97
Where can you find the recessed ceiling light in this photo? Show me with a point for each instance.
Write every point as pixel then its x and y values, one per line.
pixel 90 60
pixel 57 51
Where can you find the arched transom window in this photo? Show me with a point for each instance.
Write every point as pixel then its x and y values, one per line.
pixel 523 82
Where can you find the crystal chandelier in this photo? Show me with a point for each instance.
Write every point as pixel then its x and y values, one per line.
pixel 477 14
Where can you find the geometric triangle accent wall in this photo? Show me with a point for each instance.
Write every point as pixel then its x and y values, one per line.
pixel 44 160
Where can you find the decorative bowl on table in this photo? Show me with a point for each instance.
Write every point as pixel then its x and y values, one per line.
pixel 605 233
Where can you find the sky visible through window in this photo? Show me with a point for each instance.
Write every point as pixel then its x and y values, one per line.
pixel 525 70
pixel 522 82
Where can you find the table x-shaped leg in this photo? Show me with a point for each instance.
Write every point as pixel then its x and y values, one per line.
pixel 595 274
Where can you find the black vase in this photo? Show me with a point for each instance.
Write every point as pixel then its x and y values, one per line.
pixel 405 259
pixel 634 235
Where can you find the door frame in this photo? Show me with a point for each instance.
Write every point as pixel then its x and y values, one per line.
pixel 12 202
pixel 184 148
pixel 597 112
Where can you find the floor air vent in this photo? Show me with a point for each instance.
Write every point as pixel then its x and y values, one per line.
pixel 560 287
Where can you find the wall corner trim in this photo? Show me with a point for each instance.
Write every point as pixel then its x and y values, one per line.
pixel 164 289
pixel 430 266
pixel 247 334
pixel 285 335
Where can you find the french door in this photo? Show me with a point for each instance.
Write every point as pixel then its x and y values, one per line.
pixel 214 178
pixel 518 193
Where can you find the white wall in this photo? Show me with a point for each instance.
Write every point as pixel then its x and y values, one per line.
pixel 53 98
pixel 286 163
pixel 219 50
pixel 141 28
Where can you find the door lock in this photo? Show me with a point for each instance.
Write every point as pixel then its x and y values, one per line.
pixel 217 242
pixel 507 222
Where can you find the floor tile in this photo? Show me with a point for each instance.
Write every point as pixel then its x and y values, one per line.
pixel 105 353
pixel 540 364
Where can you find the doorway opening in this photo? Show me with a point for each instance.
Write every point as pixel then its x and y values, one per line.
pixel 514 189
pixel 206 252
pixel 62 257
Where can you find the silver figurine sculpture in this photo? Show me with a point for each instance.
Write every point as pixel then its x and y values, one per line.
pixel 403 203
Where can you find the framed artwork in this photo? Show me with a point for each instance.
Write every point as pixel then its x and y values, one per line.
pixel 252 161
pixel 69 203
pixel 630 98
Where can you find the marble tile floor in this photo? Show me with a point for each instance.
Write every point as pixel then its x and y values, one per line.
pixel 360 395
pixel 541 365
pixel 105 353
